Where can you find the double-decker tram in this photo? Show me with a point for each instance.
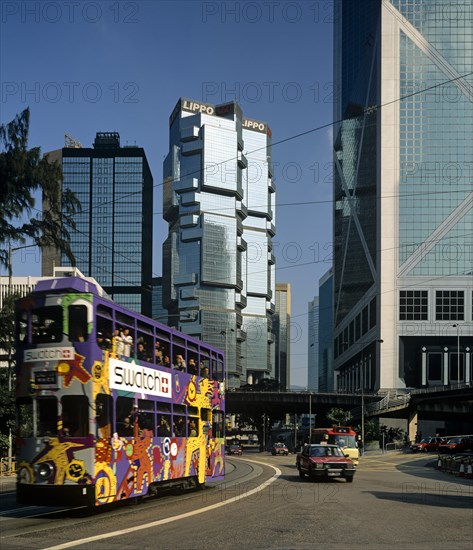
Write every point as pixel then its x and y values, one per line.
pixel 111 405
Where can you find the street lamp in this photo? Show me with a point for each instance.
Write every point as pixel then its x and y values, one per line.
pixel 457 326
pixel 310 418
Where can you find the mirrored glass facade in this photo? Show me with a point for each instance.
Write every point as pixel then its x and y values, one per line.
pixel 113 237
pixel 218 268
pixel 403 215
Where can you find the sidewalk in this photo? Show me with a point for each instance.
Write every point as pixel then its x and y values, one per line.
pixel 8 483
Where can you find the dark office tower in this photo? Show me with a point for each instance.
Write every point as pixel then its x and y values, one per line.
pixel 218 268
pixel 403 200
pixel 113 237
pixel 325 334
pixel 282 332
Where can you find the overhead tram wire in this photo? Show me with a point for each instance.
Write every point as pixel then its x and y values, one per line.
pixel 296 136
pixel 367 110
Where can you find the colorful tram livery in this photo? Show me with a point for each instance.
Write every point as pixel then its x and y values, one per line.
pixel 102 413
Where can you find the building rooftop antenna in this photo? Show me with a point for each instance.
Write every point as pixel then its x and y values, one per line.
pixel 71 142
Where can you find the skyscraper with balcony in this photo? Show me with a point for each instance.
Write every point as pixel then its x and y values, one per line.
pixel 218 266
pixel 403 217
pixel 113 237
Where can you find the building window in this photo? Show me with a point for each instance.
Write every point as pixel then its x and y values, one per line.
pixel 449 305
pixel 413 305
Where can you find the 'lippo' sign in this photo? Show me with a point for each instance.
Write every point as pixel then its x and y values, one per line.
pixel 136 378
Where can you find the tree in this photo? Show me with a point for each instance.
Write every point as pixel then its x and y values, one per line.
pixel 338 417
pixel 23 173
pixel 7 400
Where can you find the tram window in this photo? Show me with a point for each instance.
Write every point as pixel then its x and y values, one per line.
pixel 217 424
pixel 22 326
pixel 146 417
pixel 192 411
pixel 103 413
pixel 192 364
pixel 47 324
pixel 179 358
pixel 104 311
pixel 144 347
pixel 161 406
pixel 179 409
pixel 75 415
pixel 204 367
pixel 124 409
pixel 144 327
pixel 217 373
pixel 78 323
pixel 179 426
pixel 24 408
pixel 214 368
pixel 123 319
pixel 46 416
pixel 146 424
pixel 206 417
pixel 193 427
pixel 104 333
pixel 164 425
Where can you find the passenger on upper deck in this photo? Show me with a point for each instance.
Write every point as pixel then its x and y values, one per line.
pixel 192 367
pixel 158 353
pixel 127 341
pixel 180 364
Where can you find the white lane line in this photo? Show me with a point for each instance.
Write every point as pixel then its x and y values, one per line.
pixel 173 518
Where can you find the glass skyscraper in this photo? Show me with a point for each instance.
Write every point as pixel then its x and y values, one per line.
pixel 218 266
pixel 313 373
pixel 282 331
pixel 113 237
pixel 403 190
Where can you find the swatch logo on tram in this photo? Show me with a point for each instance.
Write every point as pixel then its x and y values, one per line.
pixel 132 377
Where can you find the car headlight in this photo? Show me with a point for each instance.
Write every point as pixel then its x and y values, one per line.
pixel 44 471
pixel 319 465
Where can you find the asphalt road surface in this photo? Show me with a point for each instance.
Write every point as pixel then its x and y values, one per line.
pixel 396 500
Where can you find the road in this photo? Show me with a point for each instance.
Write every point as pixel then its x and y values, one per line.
pixel 396 500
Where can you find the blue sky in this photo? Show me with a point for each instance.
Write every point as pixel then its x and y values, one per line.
pixel 84 67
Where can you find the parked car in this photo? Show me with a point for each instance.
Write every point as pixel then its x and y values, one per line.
pixel 324 461
pixel 427 444
pixel 456 445
pixel 235 450
pixel 279 449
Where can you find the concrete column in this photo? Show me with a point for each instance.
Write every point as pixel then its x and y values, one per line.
pixel 412 424
pixel 467 365
pixel 424 366
pixel 445 366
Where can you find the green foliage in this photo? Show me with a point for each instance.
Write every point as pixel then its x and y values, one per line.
pixel 23 173
pixel 371 430
pixel 338 417
pixel 7 411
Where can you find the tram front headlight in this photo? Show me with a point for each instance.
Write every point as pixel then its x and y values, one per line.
pixel 44 471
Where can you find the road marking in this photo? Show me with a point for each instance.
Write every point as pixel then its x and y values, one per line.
pixel 173 518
